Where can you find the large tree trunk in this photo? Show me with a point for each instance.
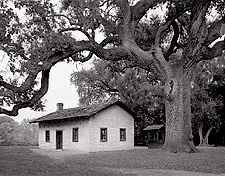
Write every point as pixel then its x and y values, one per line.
pixel 178 114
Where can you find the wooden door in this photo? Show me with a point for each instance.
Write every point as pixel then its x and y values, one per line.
pixel 59 140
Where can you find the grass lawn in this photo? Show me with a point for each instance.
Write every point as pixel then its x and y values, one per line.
pixel 20 160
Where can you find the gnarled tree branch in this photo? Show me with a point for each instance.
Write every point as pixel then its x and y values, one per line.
pixel 215 51
pixel 109 40
pixel 197 35
pixel 127 24
pixel 214 31
pixel 29 103
pixel 173 41
pixel 77 29
pixel 141 7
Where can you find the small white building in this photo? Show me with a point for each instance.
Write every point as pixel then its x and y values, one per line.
pixel 102 127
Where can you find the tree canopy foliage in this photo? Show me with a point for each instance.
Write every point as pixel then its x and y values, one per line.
pixel 42 35
pixel 168 45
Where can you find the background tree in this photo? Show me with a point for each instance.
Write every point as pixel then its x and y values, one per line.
pixel 46 37
pixel 29 133
pixel 13 133
pixel 134 86
pixel 207 100
pixel 218 86
pixel 6 129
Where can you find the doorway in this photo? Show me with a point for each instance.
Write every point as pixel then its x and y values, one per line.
pixel 59 140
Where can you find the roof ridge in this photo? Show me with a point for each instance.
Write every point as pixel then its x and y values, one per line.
pixel 82 111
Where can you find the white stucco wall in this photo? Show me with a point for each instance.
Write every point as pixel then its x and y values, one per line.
pixel 66 127
pixel 113 118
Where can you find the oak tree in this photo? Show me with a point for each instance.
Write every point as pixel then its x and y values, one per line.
pixel 45 36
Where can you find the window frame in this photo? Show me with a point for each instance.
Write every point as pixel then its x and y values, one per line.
pixel 105 139
pixel 123 134
pixel 75 138
pixel 47 135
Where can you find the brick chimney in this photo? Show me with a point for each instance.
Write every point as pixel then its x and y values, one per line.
pixel 59 106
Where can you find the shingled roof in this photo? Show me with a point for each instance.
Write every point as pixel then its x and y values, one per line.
pixel 82 112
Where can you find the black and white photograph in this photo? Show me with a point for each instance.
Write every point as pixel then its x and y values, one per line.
pixel 112 88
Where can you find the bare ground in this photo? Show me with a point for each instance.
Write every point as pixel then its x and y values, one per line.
pixel 141 162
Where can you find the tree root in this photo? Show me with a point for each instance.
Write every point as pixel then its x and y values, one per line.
pixel 189 147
